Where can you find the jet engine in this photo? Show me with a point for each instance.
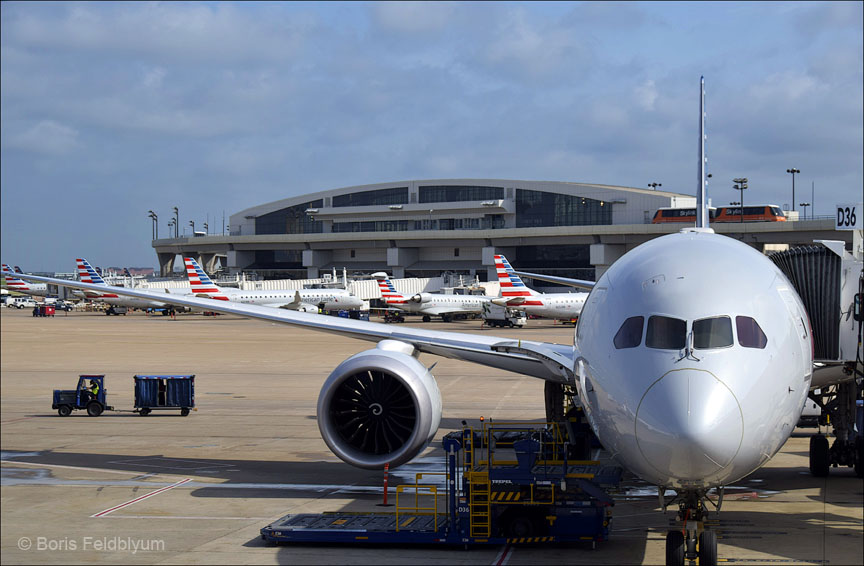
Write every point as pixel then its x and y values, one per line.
pixel 379 406
pixel 421 298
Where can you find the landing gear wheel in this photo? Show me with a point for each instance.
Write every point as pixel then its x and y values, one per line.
pixel 64 410
pixel 554 394
pixel 675 548
pixel 708 548
pixel 184 411
pixel 144 412
pixel 94 408
pixel 819 460
pixel 446 318
pixel 426 318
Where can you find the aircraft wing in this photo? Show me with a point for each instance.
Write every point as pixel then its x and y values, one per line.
pixel 545 360
pixel 581 283
pixel 294 304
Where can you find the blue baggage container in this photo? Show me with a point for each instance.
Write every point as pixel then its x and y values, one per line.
pixel 158 392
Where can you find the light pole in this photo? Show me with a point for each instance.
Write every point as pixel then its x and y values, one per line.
pixel 206 228
pixel 192 223
pixel 804 205
pixel 171 224
pixel 155 218
pixel 176 222
pixel 655 185
pixel 793 171
pixel 740 185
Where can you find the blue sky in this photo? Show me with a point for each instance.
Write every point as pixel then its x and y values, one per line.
pixel 112 109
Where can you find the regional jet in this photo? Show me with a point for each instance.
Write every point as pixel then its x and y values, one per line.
pixel 514 293
pixel 679 346
pixel 429 304
pixel 106 294
pixel 14 283
pixel 305 300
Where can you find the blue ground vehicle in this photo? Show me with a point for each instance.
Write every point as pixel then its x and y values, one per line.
pixel 66 401
pixel 164 392
pixel 507 483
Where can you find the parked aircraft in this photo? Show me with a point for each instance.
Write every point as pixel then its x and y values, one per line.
pixel 429 304
pixel 14 283
pixel 679 344
pixel 306 300
pixel 514 293
pixel 87 274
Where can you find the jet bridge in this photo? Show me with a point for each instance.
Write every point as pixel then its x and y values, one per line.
pixel 830 282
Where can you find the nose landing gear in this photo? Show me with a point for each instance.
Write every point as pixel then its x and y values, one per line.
pixel 692 541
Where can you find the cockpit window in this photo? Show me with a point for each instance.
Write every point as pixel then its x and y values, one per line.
pixel 666 333
pixel 713 332
pixel 630 333
pixel 750 335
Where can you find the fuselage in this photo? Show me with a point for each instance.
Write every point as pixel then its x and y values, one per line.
pixel 562 306
pixel 330 299
pixel 708 384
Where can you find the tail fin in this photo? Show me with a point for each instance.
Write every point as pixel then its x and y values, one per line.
pixel 201 283
pixel 87 274
pixel 126 272
pixel 388 292
pixel 14 283
pixel 18 269
pixel 511 284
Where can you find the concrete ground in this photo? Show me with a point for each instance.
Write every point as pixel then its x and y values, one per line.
pixel 169 489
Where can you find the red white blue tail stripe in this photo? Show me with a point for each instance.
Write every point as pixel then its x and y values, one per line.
pixel 388 292
pixel 511 284
pixel 201 283
pixel 86 274
pixel 14 283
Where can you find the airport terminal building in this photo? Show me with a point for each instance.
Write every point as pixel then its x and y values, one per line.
pixel 421 228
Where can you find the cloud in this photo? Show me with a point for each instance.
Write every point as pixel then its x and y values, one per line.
pixel 646 95
pixel 413 17
pixel 46 136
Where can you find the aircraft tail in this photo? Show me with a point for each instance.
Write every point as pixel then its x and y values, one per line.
pixel 201 283
pixel 511 284
pixel 17 269
pixel 14 283
pixel 388 292
pixel 87 274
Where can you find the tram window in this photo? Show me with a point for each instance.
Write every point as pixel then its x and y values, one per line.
pixel 713 332
pixel 750 335
pixel 630 333
pixel 666 333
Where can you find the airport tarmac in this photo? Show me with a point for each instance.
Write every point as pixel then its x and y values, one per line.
pixel 197 489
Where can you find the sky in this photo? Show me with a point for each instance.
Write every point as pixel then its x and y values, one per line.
pixel 110 110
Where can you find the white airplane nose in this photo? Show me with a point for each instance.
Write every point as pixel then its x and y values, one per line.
pixel 689 425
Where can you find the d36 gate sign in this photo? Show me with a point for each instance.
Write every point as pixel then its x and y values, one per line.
pixel 849 217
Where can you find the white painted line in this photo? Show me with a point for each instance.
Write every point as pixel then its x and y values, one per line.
pixel 143 497
pixel 147 474
pixel 503 556
pixel 189 517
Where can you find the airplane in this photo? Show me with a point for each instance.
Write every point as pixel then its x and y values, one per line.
pixel 678 347
pixel 14 283
pixel 306 300
pixel 87 274
pixel 514 293
pixel 429 304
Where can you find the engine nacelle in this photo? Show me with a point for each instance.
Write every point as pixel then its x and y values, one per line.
pixel 422 298
pixel 379 406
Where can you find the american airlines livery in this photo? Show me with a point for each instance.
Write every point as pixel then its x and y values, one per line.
pixel 14 283
pixel 514 293
pixel 429 304
pixel 106 294
pixel 306 300
pixel 692 359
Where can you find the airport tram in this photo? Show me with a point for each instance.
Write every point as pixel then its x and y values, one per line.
pixel 753 213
